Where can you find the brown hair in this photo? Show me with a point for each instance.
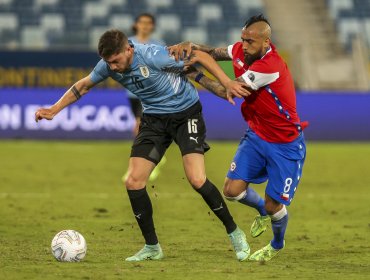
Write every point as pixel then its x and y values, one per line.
pixel 111 42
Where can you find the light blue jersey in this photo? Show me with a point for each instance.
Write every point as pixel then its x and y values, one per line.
pixel 134 40
pixel 155 78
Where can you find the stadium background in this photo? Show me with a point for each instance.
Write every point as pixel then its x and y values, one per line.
pixel 46 45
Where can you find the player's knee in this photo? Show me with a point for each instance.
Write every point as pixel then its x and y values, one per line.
pixel 134 182
pixel 197 181
pixel 231 193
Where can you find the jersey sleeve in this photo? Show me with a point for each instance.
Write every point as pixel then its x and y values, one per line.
pixel 158 57
pixel 260 74
pixel 230 50
pixel 100 72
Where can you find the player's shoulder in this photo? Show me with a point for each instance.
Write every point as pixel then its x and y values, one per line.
pixel 237 47
pixel 149 50
pixel 274 57
pixel 102 65
pixel 150 53
pixel 270 62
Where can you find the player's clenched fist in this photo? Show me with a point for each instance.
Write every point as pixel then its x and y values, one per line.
pixel 44 113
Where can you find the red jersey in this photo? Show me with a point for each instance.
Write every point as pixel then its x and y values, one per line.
pixel 271 110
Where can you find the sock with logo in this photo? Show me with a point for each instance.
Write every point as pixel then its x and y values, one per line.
pixel 213 198
pixel 143 211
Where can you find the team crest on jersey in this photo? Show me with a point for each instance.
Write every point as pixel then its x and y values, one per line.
pixel 144 71
pixel 251 77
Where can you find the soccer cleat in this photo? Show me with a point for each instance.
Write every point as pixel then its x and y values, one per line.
pixel 265 254
pixel 259 225
pixel 240 244
pixel 149 252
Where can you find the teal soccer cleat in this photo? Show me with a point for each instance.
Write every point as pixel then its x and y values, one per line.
pixel 240 244
pixel 149 252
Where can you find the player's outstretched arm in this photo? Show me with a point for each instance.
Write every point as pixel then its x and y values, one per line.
pixel 70 96
pixel 233 88
pixel 213 86
pixel 184 50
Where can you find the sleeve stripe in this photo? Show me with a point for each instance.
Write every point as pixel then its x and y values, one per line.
pixel 230 51
pixel 257 80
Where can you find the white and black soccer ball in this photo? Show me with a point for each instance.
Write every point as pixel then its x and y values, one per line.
pixel 68 246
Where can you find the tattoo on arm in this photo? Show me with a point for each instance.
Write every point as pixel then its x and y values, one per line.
pixel 216 53
pixel 213 86
pixel 220 54
pixel 76 92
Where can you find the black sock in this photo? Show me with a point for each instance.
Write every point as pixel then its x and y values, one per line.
pixel 214 199
pixel 143 211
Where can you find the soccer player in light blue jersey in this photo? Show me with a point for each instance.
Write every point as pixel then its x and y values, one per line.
pixel 143 28
pixel 172 112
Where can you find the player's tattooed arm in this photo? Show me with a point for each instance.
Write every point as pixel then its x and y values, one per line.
pixel 185 49
pixel 79 89
pixel 233 88
pixel 218 54
pixel 213 86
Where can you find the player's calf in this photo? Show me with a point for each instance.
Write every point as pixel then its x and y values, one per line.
pixel 279 221
pixel 238 190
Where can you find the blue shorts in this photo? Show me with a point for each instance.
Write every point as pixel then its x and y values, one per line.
pixel 257 161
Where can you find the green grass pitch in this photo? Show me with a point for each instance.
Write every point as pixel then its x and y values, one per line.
pixel 49 186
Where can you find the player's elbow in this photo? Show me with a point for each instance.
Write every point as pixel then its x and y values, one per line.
pixel 82 87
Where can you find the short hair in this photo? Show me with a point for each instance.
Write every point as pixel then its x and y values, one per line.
pixel 255 19
pixel 148 15
pixel 111 42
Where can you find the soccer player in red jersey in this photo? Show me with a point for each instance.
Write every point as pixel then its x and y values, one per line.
pixel 273 147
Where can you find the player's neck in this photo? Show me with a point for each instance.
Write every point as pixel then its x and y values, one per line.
pixel 265 51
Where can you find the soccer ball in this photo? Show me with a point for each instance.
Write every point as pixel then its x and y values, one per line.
pixel 68 246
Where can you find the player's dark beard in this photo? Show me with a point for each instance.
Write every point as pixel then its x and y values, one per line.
pixel 249 58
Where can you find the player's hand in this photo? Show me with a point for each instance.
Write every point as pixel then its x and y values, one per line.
pixel 181 51
pixel 44 113
pixel 236 89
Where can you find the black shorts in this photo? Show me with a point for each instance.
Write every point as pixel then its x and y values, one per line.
pixel 157 131
pixel 136 107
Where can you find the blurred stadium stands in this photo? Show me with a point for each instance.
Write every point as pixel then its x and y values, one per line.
pixel 352 17
pixel 77 23
pixel 316 37
pixel 46 45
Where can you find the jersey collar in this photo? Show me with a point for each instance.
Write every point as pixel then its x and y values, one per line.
pixel 268 51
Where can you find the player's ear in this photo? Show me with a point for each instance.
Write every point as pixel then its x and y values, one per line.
pixel 267 42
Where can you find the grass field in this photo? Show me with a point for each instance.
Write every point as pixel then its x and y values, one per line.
pixel 49 186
